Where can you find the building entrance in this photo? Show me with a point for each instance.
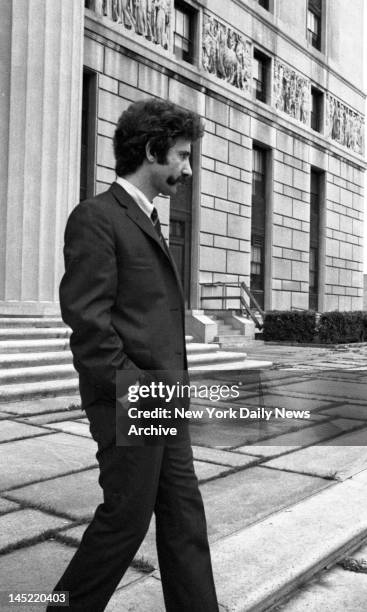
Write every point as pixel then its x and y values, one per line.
pixel 180 234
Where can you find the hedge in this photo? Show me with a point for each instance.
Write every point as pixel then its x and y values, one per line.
pixel 307 326
pixel 336 327
pixel 289 325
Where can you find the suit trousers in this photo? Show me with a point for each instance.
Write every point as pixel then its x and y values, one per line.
pixel 136 482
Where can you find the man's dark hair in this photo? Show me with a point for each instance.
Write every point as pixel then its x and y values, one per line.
pixel 158 122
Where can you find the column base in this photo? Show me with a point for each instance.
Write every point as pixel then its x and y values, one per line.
pixel 29 309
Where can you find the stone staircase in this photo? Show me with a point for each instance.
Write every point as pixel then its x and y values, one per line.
pixel 228 336
pixel 35 360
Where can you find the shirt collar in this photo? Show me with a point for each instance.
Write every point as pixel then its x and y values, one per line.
pixel 139 197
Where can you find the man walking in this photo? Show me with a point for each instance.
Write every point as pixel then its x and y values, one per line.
pixel 122 297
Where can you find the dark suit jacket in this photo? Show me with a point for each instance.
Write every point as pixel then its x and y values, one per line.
pixel 120 294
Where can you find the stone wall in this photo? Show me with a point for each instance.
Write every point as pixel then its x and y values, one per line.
pixel 218 86
pixel 344 236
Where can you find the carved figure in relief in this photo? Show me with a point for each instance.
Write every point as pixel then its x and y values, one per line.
pixel 210 34
pixel 161 34
pixel 305 99
pixel 344 125
pixel 127 14
pixel 149 12
pixel 97 6
pixel 226 53
pixel 278 86
pixel 291 93
pixel 107 8
pixel 226 56
pixel 329 116
pixel 348 128
pixel 140 16
pixel 243 73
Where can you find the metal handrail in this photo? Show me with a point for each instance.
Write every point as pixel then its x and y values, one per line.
pixel 244 306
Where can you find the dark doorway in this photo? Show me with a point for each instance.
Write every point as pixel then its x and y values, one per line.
pixel 180 234
pixel 87 157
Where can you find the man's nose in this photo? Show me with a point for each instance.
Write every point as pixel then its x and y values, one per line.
pixel 187 169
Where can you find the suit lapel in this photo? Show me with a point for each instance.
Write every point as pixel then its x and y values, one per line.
pixel 140 218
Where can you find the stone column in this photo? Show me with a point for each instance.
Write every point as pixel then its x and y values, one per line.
pixel 41 44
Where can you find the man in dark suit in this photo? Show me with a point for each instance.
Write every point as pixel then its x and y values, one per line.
pixel 122 297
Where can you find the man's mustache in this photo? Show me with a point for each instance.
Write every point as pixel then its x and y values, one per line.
pixel 181 179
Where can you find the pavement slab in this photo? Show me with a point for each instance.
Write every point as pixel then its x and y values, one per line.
pixel 205 470
pixel 286 400
pixel 286 443
pixel 335 591
pixel 43 457
pixel 216 455
pixel 7 506
pixel 348 411
pixel 233 433
pixel 62 495
pixel 25 525
pixel 38 568
pixel 53 417
pixel 41 405
pixel 278 554
pixel 72 427
pixel 336 390
pixel 144 595
pixel 231 503
pixel 11 430
pixel 346 456
pixel 243 498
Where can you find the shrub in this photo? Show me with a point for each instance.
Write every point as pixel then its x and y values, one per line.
pixel 339 327
pixel 290 325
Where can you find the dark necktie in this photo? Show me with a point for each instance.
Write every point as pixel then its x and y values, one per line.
pixel 157 226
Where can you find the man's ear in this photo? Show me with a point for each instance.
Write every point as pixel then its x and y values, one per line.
pixel 151 157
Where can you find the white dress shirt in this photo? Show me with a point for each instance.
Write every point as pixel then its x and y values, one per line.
pixel 139 197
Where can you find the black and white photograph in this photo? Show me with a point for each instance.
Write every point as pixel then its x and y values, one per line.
pixel 183 306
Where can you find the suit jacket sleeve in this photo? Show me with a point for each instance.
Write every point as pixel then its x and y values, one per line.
pixel 87 294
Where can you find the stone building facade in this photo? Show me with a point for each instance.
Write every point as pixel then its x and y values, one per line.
pixel 276 198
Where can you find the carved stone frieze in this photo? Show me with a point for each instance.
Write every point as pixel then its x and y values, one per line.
pixel 344 125
pixel 148 18
pixel 226 53
pixel 291 93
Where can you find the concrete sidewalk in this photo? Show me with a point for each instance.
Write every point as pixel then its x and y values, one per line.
pixel 283 497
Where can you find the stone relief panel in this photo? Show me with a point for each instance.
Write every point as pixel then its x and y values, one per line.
pixel 149 18
pixel 344 125
pixel 226 53
pixel 291 93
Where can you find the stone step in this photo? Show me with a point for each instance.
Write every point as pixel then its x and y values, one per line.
pixel 33 333
pixel 231 366
pixel 290 547
pixel 29 389
pixel 38 373
pixel 9 360
pixel 232 337
pixel 215 358
pixel 31 322
pixel 15 360
pixel 225 326
pixel 200 347
pixel 34 346
pixel 33 390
